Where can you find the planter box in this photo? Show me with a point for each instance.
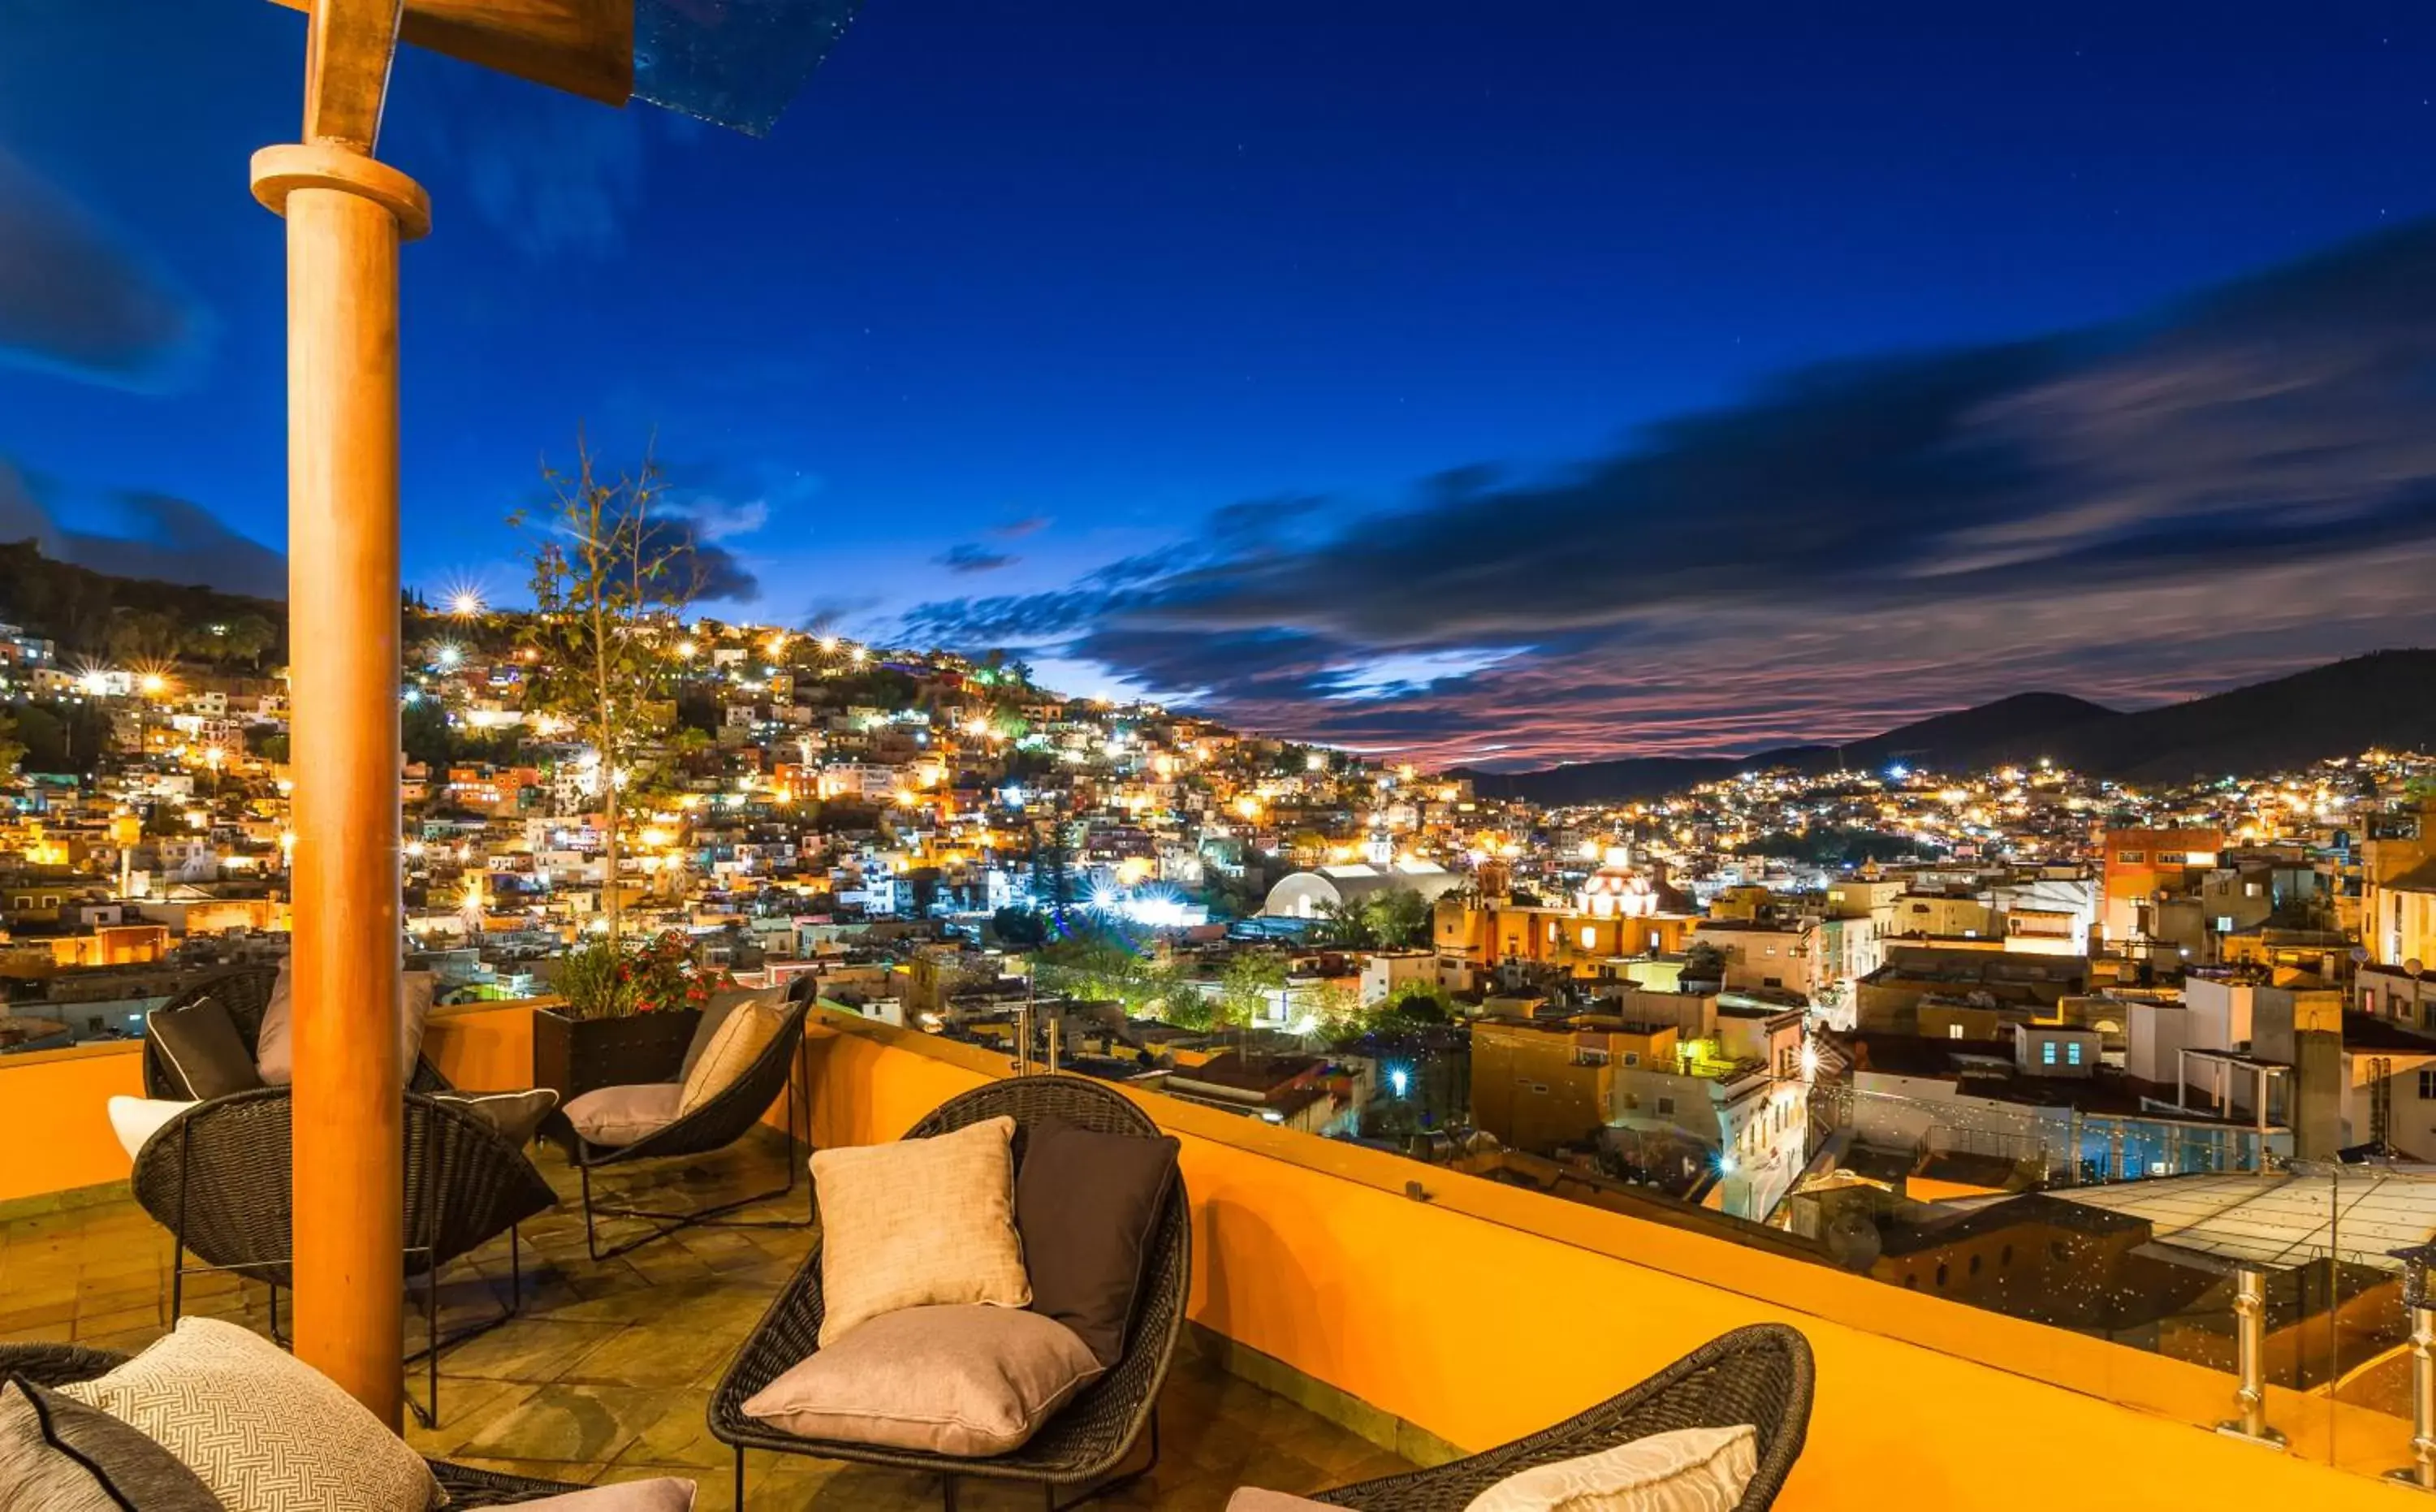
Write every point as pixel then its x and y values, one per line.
pixel 577 1055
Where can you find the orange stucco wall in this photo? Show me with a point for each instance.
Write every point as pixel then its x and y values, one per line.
pixel 482 1048
pixel 54 1117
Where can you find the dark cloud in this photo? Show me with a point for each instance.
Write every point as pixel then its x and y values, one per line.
pixel 2239 484
pixel 700 567
pixel 74 300
pixel 968 557
pixel 1018 530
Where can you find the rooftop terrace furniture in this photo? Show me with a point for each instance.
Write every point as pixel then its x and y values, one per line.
pixel 245 992
pixel 1087 1439
pixel 718 1123
pixel 61 1365
pixel 217 1178
pixel 1759 1375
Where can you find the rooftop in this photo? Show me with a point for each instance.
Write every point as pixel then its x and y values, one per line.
pixel 606 1372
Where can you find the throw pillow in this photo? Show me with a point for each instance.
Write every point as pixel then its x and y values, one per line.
pixel 724 1004
pixel 515 1114
pixel 664 1494
pixel 624 1115
pixel 918 1221
pixel 134 1119
pixel 263 1430
pixel 57 1455
pixel 1088 1206
pixel 274 1050
pixel 969 1381
pixel 1690 1469
pixel 203 1050
pixel 747 1031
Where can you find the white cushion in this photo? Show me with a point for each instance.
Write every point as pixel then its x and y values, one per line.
pixel 135 1118
pixel 1690 1469
pixel 265 1431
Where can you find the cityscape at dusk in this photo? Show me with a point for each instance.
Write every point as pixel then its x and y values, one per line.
pixel 1453 760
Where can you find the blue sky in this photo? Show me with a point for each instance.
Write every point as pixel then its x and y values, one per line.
pixel 1031 290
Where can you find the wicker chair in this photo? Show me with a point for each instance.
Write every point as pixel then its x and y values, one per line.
pixel 1759 1375
pixel 715 1125
pixel 217 1178
pixel 1093 1433
pixel 61 1365
pixel 245 992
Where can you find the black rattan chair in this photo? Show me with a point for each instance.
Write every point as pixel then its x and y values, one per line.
pixel 245 992
pixel 715 1125
pixel 61 1365
pixel 1090 1437
pixel 1759 1375
pixel 217 1178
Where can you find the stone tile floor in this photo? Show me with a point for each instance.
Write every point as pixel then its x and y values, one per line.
pixel 605 1374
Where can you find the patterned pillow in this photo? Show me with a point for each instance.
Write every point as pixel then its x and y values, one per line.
pixel 1690 1469
pixel 267 1432
pixel 916 1223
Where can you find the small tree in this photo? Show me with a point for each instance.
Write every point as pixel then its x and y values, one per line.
pixel 609 571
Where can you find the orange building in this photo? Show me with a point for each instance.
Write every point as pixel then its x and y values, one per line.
pixel 2141 864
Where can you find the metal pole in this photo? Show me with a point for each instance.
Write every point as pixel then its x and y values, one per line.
pixel 2249 1337
pixel 2421 1472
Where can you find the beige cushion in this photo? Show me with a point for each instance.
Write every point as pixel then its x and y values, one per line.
pixel 1690 1469
pixel 742 1036
pixel 515 1114
pixel 135 1118
pixel 274 1044
pixel 724 1004
pixel 622 1115
pixel 1253 1499
pixel 964 1381
pixel 664 1494
pixel 266 1431
pixel 918 1221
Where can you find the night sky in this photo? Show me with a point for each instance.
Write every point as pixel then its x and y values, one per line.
pixel 1495 383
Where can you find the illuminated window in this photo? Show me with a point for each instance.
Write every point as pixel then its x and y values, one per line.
pixel 2132 858
pixel 1953 1030
pixel 2046 1051
pixel 1590 937
pixel 2072 1054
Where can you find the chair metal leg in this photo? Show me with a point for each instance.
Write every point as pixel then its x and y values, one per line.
pixel 948 1492
pixel 740 1478
pixel 715 1216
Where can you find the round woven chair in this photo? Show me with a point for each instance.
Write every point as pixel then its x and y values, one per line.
pixel 1759 1374
pixel 245 992
pixel 61 1365
pixel 1091 1436
pixel 718 1123
pixel 217 1177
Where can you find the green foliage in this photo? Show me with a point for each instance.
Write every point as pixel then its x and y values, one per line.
pixel 78 607
pixel 1102 966
pixel 1249 982
pixel 1703 962
pixel 603 978
pixel 1836 847
pixel 1396 918
pixel 60 737
pixel 1020 927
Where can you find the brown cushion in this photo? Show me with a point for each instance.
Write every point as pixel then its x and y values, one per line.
pixel 916 1223
pixel 515 1114
pixel 261 1428
pixel 623 1115
pixel 274 1050
pixel 721 1005
pixel 202 1048
pixel 964 1381
pixel 57 1455
pixel 747 1031
pixel 1088 1206
pixel 1688 1470
pixel 664 1493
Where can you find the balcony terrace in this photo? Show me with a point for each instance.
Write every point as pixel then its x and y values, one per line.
pixel 1346 1316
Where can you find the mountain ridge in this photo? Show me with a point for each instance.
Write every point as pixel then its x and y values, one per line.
pixel 2382 698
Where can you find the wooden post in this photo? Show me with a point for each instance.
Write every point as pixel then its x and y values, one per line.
pixel 346 214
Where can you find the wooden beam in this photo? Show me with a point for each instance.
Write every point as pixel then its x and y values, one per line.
pixel 348 46
pixel 583 46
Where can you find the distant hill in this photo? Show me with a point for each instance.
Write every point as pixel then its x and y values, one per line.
pixel 86 611
pixel 2383 699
